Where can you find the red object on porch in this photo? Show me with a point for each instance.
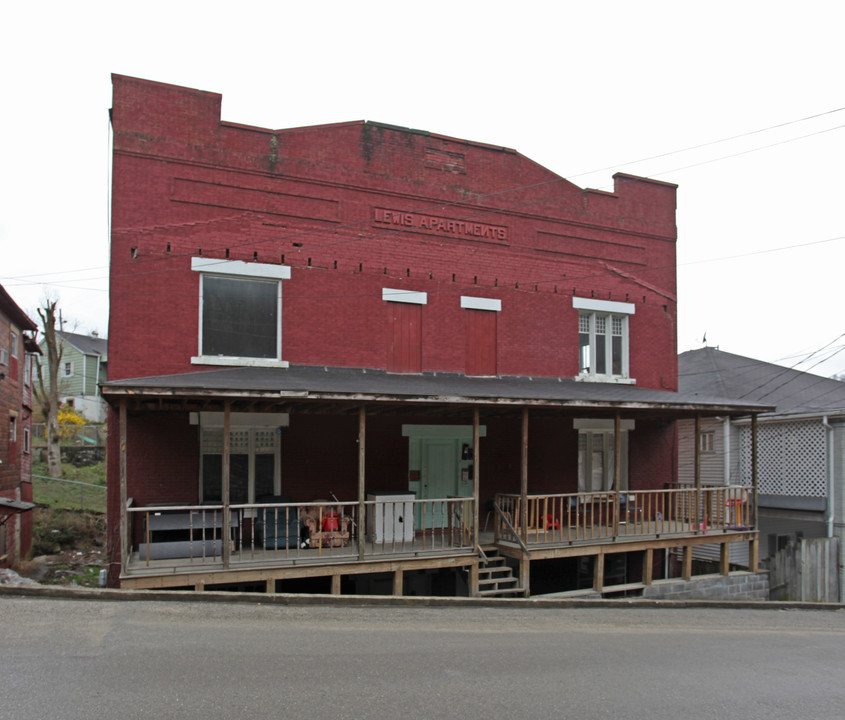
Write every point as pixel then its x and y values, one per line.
pixel 552 523
pixel 331 522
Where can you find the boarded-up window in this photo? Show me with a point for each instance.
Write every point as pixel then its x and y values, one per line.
pixel 405 351
pixel 480 342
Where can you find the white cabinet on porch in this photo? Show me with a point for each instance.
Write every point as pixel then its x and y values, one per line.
pixel 391 518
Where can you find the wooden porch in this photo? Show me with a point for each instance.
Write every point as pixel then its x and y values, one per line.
pixel 265 543
pixel 446 533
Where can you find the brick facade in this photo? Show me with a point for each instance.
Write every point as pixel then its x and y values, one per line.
pixel 15 429
pixel 353 208
pixel 356 210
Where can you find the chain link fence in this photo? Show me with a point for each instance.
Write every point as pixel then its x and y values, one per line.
pixel 77 435
pixel 68 494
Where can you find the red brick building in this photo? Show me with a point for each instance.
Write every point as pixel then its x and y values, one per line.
pixel 16 349
pixel 372 312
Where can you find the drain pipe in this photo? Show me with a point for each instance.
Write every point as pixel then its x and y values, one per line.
pixel 834 518
pixel 828 513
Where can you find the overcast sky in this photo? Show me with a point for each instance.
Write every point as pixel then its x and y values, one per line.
pixel 742 104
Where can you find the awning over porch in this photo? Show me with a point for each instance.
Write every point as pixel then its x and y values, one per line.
pixel 308 385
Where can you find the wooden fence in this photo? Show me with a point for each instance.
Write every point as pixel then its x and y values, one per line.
pixel 806 571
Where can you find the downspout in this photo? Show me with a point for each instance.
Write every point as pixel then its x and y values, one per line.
pixel 727 449
pixel 834 528
pixel 828 513
pixel 97 391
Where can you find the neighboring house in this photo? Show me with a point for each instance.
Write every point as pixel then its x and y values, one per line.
pixel 360 358
pixel 16 350
pixel 800 475
pixel 83 367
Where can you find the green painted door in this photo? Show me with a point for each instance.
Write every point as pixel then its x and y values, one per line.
pixel 439 478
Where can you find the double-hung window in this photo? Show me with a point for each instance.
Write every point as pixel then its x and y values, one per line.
pixel 603 339
pixel 240 312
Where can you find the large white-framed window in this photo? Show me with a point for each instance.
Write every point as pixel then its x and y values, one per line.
pixel 254 455
pixel 67 369
pixel 603 340
pixel 240 312
pixel 596 450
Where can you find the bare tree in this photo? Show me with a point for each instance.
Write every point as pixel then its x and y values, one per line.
pixel 47 390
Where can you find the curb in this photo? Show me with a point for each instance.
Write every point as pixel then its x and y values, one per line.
pixel 303 600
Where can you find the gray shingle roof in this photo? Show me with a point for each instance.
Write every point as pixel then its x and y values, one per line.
pixel 709 371
pixel 86 344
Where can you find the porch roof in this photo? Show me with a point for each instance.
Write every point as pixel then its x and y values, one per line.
pixel 310 384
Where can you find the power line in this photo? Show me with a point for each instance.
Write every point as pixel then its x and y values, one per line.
pixel 441 206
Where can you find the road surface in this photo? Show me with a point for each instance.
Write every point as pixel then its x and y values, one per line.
pixel 72 659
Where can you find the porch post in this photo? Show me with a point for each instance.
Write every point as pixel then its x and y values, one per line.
pixel 523 489
pixel 617 451
pixel 226 533
pixel 697 471
pixel 476 473
pixel 648 566
pixel 754 545
pixel 686 563
pixel 362 435
pixel 598 572
pixel 124 520
pixel 617 468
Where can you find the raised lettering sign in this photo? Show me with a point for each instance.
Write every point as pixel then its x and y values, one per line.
pixel 466 229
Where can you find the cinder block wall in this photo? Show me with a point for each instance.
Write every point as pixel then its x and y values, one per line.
pixel 736 586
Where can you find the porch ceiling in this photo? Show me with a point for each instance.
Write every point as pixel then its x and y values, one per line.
pixel 304 389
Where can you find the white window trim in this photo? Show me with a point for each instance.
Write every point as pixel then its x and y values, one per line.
pixel 481 303
pixel 65 365
pixel 604 306
pixel 258 420
pixel 239 268
pixel 209 421
pixel 608 308
pixel 26 441
pixel 412 297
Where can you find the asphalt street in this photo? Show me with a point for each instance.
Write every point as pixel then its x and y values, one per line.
pixel 64 658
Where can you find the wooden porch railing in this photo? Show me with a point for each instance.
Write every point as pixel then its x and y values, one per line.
pixel 280 533
pixel 601 516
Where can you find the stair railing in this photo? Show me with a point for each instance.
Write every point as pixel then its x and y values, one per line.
pixel 512 529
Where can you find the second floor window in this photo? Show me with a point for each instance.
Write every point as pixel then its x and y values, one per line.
pixel 240 312
pixel 603 343
pixel 603 340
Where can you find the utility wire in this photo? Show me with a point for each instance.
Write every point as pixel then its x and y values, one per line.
pixel 441 206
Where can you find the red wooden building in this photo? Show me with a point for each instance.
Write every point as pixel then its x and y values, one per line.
pixel 432 362
pixel 16 349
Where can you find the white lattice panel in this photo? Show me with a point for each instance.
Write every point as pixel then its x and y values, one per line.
pixel 790 458
pixel 265 440
pixel 239 442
